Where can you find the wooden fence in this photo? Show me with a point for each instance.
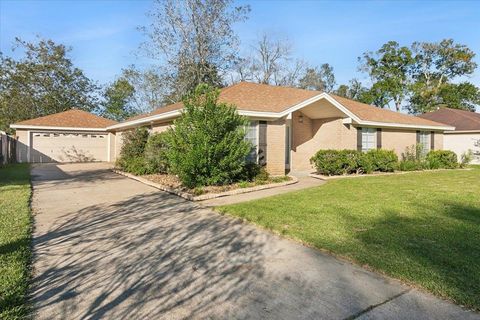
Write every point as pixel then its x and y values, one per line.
pixel 7 149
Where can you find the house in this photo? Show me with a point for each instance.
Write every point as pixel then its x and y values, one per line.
pixel 287 126
pixel 466 135
pixel 69 136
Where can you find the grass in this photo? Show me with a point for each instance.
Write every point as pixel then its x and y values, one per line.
pixel 422 228
pixel 15 239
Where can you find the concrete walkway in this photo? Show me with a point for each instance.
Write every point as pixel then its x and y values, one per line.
pixel 304 182
pixel 106 247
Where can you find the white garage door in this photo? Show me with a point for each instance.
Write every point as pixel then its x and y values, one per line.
pixel 68 147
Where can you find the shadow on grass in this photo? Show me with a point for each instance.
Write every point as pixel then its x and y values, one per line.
pixel 439 251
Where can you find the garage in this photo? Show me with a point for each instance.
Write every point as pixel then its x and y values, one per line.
pixel 68 147
pixel 70 136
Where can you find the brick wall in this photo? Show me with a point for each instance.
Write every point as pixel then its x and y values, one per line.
pixel 398 140
pixel 311 135
pixel 276 146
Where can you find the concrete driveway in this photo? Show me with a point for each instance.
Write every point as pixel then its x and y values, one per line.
pixel 107 247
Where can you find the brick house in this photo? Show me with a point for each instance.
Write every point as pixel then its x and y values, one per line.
pixel 288 125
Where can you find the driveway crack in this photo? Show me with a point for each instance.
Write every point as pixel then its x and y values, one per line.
pixel 373 306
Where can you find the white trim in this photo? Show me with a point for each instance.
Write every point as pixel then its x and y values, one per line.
pixel 108 146
pixel 162 116
pixel 287 112
pixel 401 125
pixel 462 131
pixel 22 126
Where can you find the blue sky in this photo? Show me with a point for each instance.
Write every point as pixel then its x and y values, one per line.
pixel 104 37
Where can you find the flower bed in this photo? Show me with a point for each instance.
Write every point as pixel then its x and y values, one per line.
pixel 172 184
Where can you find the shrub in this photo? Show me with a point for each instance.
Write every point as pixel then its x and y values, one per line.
pixel 410 165
pixel 413 158
pixel 207 143
pixel 365 164
pixel 382 160
pixel 132 153
pixel 466 158
pixel 156 153
pixel 262 175
pixel 414 153
pixel 337 162
pixel 136 165
pixel 441 159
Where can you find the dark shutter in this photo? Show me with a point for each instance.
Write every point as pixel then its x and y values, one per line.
pixel 379 138
pixel 262 143
pixel 359 139
pixel 418 137
pixel 432 140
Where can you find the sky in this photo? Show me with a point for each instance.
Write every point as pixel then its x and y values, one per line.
pixel 104 37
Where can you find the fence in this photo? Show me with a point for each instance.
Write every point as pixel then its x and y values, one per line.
pixel 7 149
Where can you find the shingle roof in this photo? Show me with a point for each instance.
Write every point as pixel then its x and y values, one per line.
pixel 460 119
pixel 247 96
pixel 367 112
pixel 73 118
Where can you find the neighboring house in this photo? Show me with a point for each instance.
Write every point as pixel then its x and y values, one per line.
pixel 467 130
pixel 70 136
pixel 289 125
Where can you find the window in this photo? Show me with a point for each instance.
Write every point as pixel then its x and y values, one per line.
pixel 369 140
pixel 252 135
pixel 424 140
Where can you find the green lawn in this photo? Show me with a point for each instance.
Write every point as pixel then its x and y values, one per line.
pixel 15 235
pixel 422 228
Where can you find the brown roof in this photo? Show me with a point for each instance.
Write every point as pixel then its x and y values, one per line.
pixel 249 96
pixel 73 118
pixel 367 112
pixel 460 119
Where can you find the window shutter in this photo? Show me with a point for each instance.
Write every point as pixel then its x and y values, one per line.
pixel 262 143
pixel 379 138
pixel 418 137
pixel 432 140
pixel 359 139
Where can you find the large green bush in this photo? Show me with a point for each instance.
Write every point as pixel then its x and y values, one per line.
pixel 441 159
pixel 382 160
pixel 207 143
pixel 337 162
pixel 156 153
pixel 132 153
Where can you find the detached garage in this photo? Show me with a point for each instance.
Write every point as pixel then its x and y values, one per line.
pixel 70 136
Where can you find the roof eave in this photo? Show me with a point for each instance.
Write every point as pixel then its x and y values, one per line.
pixel 34 127
pixel 276 115
pixel 403 126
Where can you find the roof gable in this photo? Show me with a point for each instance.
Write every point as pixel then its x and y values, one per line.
pixel 73 118
pixel 462 120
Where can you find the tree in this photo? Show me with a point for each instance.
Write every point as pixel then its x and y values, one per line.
pixel 206 145
pixel 270 62
pixel 322 79
pixel 150 88
pixel 464 96
pixel 436 66
pixel 42 82
pixel 355 91
pixel 194 42
pixel 389 69
pixel 118 98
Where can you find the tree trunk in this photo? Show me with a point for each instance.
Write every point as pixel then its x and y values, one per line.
pixel 397 105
